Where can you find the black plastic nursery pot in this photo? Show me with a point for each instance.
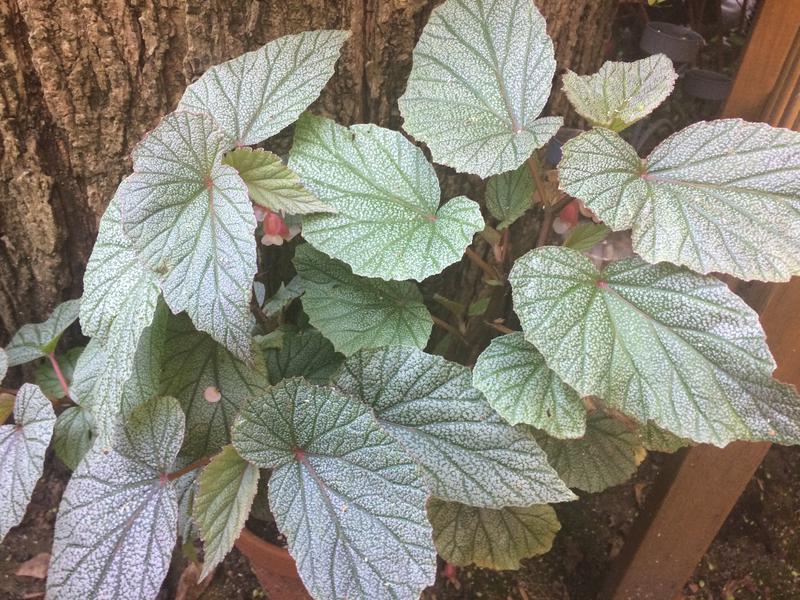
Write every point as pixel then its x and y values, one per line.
pixel 679 43
pixel 273 566
pixel 552 150
pixel 707 85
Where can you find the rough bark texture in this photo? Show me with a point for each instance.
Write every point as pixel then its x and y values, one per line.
pixel 81 81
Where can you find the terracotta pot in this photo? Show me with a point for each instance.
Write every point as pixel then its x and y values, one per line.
pixel 273 566
pixel 680 43
pixel 707 85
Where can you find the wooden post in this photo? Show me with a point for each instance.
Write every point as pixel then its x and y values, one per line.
pixel 697 491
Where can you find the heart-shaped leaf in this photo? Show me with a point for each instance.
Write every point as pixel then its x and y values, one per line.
pixel 482 72
pixel 521 387
pixel 117 523
pixel 621 93
pixel 226 489
pixel 509 195
pixel 344 493
pixel 210 383
pixel 120 294
pixel 488 537
pixel 73 435
pixel 305 354
pixel 190 219
pixel 657 342
pixel 720 196
pixel 255 95
pixel 36 340
pixel 605 456
pixel 465 451
pixel 22 452
pixel 272 184
pixel 388 222
pixel 357 312
pixel 46 378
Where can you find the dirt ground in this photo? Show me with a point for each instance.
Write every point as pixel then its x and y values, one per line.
pixel 755 557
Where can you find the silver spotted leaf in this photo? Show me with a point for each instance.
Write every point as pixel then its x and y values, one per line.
pixel 210 383
pixel 489 537
pixel 466 453
pixel 720 196
pixel 254 96
pixel 621 93
pixel 118 518
pixel 388 221
pixel 607 455
pixel 519 385
pixel 108 395
pixel 226 488
pixel 120 294
pixel 509 195
pixel 3 364
pixel 358 312
pixel 272 184
pixel 656 342
pixel 343 492
pixel 36 340
pixel 190 219
pixel 22 452
pixel 305 353
pixel 45 375
pixel 482 72
pixel 73 435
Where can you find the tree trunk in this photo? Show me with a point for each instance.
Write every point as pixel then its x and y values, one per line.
pixel 83 80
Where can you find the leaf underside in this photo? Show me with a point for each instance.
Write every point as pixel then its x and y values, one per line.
pixel 477 85
pixel 388 222
pixel 344 493
pixel 720 196
pixel 22 453
pixel 36 340
pixel 491 538
pixel 465 451
pixel 358 312
pixel 656 342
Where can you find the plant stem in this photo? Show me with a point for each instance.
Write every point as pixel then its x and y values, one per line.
pixel 535 167
pixel 59 374
pixel 447 327
pixel 482 264
pixel 10 391
pixel 200 462
pixel 499 327
pixel 550 213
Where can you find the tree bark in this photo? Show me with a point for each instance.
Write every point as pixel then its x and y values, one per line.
pixel 83 80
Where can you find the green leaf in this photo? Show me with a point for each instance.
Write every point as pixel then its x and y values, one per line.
pixel 519 385
pixel 120 294
pixel 255 95
pixel 45 376
pixel 355 312
pixel 36 340
pixel 3 364
pixel 660 440
pixel 388 223
pixel 585 236
pixel 491 538
pixel 621 93
pixel 509 195
pixel 466 453
pixel 193 362
pixel 186 490
pixel 108 395
pixel 22 452
pixel 722 196
pixel 117 523
pixel 190 219
pixel 73 435
pixel 285 295
pixel 272 184
pixel 305 354
pixel 226 490
pixel 481 74
pixel 344 493
pixel 607 455
pixel 656 342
